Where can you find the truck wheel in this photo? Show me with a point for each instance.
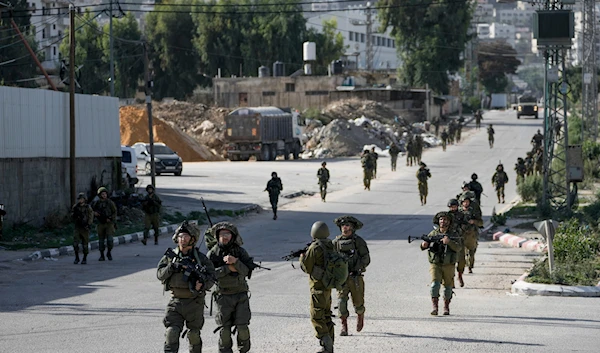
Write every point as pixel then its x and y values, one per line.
pixel 518 116
pixel 265 153
pixel 273 152
pixel 296 150
pixel 286 153
pixel 536 116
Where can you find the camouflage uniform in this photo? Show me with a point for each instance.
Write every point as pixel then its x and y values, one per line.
pixel 355 248
pixel 422 175
pixel 366 160
pixel 529 164
pixel 313 264
pixel 472 221
pixel 478 118
pixel 491 133
pixel 458 224
pixel 394 151
pixel 444 137
pixel 151 205
pixel 323 176
pixel 410 151
pixel 186 306
pixel 375 157
pixel 458 131
pixel 418 148
pixel 442 259
pixel 537 140
pixel 476 187
pixel 83 216
pixel 106 213
pixel 520 169
pixel 499 179
pixel 274 188
pixel 231 296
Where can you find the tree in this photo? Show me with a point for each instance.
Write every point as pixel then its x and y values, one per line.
pixel 329 44
pixel 430 36
pixel 93 72
pixel 12 48
pixel 495 60
pixel 174 59
pixel 128 53
pixel 534 76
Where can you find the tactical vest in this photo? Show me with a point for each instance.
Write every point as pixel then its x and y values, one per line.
pixel 347 246
pixel 80 215
pixel 233 282
pixel 179 287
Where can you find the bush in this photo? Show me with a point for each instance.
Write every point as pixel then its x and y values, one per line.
pixel 499 219
pixel 574 242
pixel 584 273
pixel 530 189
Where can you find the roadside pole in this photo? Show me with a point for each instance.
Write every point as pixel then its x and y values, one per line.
pixel 148 91
pixel 72 156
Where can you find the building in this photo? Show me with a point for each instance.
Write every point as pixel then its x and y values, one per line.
pixel 49 23
pixel 518 17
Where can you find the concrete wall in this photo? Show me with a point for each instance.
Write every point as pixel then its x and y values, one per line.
pixel 31 188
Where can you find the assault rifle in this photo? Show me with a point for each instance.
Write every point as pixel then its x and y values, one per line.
pixel 192 271
pixel 295 253
pixel 433 239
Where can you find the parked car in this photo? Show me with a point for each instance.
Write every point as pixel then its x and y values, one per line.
pixel 165 159
pixel 129 165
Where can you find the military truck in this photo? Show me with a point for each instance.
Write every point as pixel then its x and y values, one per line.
pixel 263 132
pixel 527 105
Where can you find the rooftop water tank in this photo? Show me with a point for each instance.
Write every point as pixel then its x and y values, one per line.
pixel 264 71
pixel 278 69
pixel 309 51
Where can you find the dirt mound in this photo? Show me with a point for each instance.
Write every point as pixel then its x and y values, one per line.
pixel 356 108
pixel 134 128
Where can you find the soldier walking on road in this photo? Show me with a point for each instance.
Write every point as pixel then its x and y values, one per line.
pixel 436 123
pixel 476 187
pixel 444 137
pixel 106 212
pixel 537 140
pixel 472 221
pixel 459 127
pixel 313 263
pixel 521 169
pixel 151 205
pixel 83 216
pixel 232 265
pixel 274 188
pixel 323 176
pixel 478 118
pixel 442 257
pixel 375 157
pixel 355 249
pixel 394 151
pixel 499 179
pixel 366 160
pixel 186 306
pixel 422 175
pixel 491 132
pixel 458 224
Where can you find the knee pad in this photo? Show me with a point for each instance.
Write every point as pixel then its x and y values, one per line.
pixel 172 335
pixel 194 337
pixel 243 332
pixel 448 293
pixel 435 289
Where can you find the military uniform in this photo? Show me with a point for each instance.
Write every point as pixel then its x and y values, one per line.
pixel 106 213
pixel 83 216
pixel 231 296
pixel 458 131
pixel 375 157
pixel 476 187
pixel 394 151
pixel 444 137
pixel 422 175
pixel 471 229
pixel 274 188
pixel 458 224
pixel 537 140
pixel 520 169
pixel 410 151
pixel 478 118
pixel 151 205
pixel 186 306
pixel 418 147
pixel 491 133
pixel 499 179
pixel 366 160
pixel 442 259
pixel 313 264
pixel 323 176
pixel 355 249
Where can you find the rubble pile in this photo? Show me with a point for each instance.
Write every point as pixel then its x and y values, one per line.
pixel 356 108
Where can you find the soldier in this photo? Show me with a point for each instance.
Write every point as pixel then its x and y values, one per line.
pixel 476 187
pixel 472 217
pixel 521 169
pixel 436 123
pixel 458 222
pixel 375 157
pixel 422 175
pixel 418 148
pixel 557 127
pixel 106 212
pixel 83 216
pixel 491 132
pixel 478 118
pixel 459 127
pixel 394 152
pixel 451 132
pixel 444 137
pixel 409 150
pixel 187 292
pixel 274 188
pixel 355 249
pixel 499 179
pixel 232 264
pixel 538 160
pixel 312 263
pixel 442 257
pixel 529 163
pixel 323 176
pixel 151 205
pixel 537 140
pixel 366 160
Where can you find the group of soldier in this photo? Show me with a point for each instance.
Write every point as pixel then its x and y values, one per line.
pixel 368 160
pixel 533 162
pixel 104 211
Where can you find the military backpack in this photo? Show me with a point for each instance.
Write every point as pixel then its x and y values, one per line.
pixel 335 271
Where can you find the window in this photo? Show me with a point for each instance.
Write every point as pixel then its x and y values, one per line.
pixel 54 50
pixel 362 37
pixel 290 87
pixel 268 93
pixel 53 26
pixel 43 33
pixel 351 36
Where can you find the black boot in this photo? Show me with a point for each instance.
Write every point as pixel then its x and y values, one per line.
pixel 76 258
pixel 156 240
pixel 84 261
pixel 101 256
pixel 108 255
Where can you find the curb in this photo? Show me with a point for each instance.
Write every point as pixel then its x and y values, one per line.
pixel 520 242
pixel 122 239
pixel 525 288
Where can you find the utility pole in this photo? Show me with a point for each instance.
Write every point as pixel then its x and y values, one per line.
pixel 148 89
pixel 369 42
pixel 72 145
pixel 427 106
pixel 589 73
pixel 111 50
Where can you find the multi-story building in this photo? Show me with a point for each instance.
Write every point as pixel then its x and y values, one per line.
pixel 49 22
pixel 516 17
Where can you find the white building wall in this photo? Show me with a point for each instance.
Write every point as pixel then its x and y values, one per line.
pixel 503 31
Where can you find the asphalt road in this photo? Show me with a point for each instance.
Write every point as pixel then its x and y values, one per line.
pixel 55 306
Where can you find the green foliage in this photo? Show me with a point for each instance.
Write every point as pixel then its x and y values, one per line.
pixel 574 242
pixel 330 45
pixel 591 212
pixel 471 103
pixel 534 76
pixel 521 210
pixel 591 159
pixel 575 129
pixel 430 38
pixel 496 59
pixel 499 219
pixel 530 189
pixel 584 273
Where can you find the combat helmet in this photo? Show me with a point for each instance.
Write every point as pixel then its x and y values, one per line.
pixel 149 186
pixel 436 218
pixel 348 219
pixel 274 174
pixel 189 228
pixel 474 176
pixel 452 202
pixel 466 185
pixel 324 163
pixel 500 165
pixel 319 230
pixel 81 195
pixel 236 238
pixel 101 190
pixel 520 160
pixel 467 195
pixel 422 164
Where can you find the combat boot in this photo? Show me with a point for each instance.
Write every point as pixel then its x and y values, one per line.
pixel 156 240
pixel 108 255
pixel 424 200
pixel 435 302
pixel 470 269
pixel 447 307
pixel 460 279
pixel 344 331
pixel 84 261
pixel 101 256
pixel 144 241
pixel 326 345
pixel 360 322
pixel 76 258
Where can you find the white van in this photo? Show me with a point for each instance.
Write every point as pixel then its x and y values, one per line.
pixel 129 165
